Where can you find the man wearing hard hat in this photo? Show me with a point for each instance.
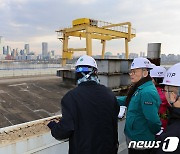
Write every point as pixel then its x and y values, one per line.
pixel 170 137
pixel 89 114
pixel 142 102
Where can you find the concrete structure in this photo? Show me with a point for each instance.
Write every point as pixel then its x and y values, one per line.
pixel 112 73
pixel 34 138
pixel 154 52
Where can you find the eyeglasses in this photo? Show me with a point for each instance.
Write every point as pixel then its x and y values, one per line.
pixel 132 72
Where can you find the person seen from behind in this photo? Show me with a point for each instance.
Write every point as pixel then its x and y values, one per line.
pixel 89 113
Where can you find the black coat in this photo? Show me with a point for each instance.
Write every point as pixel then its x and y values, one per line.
pixel 89 120
pixel 172 130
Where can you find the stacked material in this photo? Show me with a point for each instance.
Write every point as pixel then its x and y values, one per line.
pixel 113 73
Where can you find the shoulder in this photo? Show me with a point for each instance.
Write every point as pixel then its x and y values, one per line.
pixel 149 88
pixel 69 95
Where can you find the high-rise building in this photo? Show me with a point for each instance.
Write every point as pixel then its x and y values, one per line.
pixel 26 48
pixel 1 44
pixel 53 53
pixel 44 49
pixel 133 55
pixel 4 50
pixel 142 54
pixel 8 50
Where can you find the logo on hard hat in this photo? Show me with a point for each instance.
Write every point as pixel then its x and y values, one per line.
pixel 171 74
pixel 160 73
pixel 167 81
pixel 81 59
pixel 146 62
pixel 132 64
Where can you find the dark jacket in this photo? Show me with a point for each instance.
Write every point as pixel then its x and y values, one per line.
pixel 89 120
pixel 172 130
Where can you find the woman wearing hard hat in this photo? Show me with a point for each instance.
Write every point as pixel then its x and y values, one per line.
pixel 157 74
pixel 170 137
pixel 142 102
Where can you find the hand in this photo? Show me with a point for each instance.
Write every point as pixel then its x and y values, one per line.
pixel 160 132
pixel 122 112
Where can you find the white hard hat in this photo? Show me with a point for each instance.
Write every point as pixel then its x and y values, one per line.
pixel 141 63
pixel 158 72
pixel 86 60
pixel 172 76
pixel 153 65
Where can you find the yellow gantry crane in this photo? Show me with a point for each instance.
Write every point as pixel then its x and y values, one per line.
pixel 94 29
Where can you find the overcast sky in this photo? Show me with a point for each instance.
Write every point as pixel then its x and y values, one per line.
pixel 35 21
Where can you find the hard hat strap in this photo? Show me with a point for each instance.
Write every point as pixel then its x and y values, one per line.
pixel 88 77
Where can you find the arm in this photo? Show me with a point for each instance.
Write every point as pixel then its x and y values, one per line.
pixel 150 105
pixel 65 127
pixel 121 100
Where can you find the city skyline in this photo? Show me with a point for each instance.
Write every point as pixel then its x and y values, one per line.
pixel 28 21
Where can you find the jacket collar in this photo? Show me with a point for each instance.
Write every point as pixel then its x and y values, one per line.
pixel 88 83
pixel 145 84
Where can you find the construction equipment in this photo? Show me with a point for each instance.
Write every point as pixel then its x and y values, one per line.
pixel 94 29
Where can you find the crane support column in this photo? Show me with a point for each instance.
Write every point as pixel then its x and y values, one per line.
pixel 126 48
pixel 65 50
pixel 103 47
pixel 88 44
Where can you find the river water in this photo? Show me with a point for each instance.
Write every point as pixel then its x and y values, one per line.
pixel 24 68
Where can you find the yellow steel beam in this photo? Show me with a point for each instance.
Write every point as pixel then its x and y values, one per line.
pixel 77 49
pixel 73 29
pixel 126 48
pixel 88 42
pixel 103 48
pixel 131 36
pixel 95 31
pixel 129 32
pixel 108 32
pixel 119 24
pixel 65 47
pixel 93 36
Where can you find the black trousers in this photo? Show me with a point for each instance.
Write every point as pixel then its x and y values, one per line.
pixel 136 151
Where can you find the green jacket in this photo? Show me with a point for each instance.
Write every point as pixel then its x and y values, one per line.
pixel 142 120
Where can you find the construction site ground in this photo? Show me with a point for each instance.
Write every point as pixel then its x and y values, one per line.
pixel 23 99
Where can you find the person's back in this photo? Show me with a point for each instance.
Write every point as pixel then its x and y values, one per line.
pixel 89 114
pixel 95 119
